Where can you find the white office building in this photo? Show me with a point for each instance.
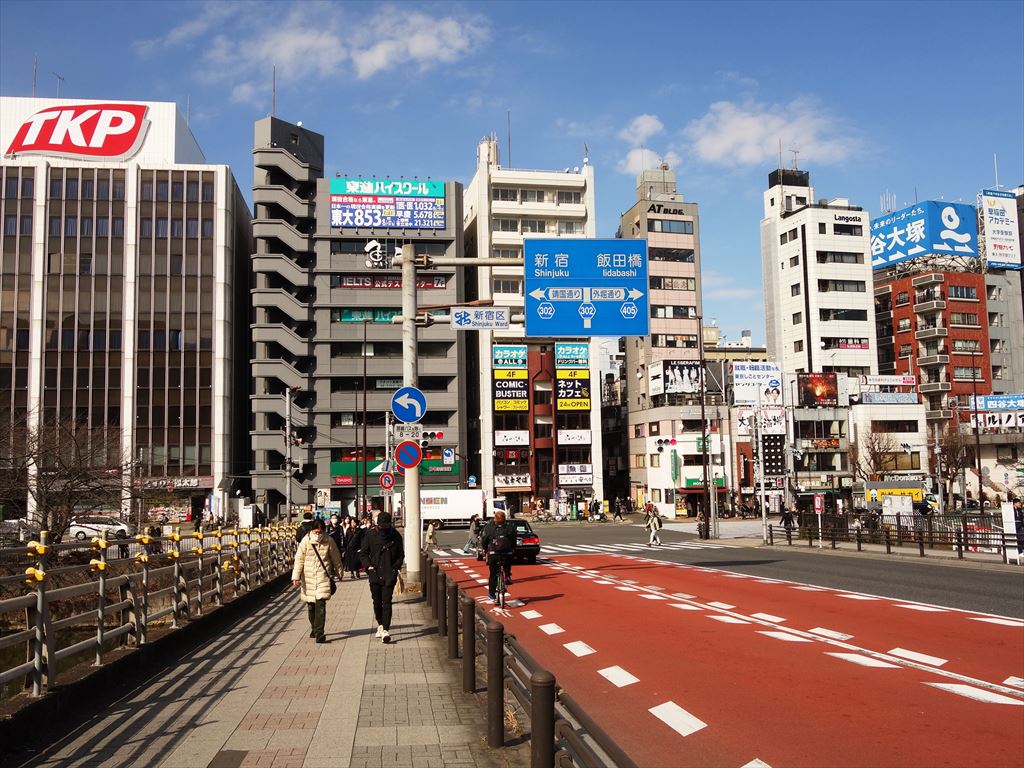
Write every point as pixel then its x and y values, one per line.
pixel 818 290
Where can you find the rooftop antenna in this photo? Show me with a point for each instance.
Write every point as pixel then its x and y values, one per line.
pixel 273 91
pixel 780 152
pixel 60 79
pixel 796 153
pixel 35 69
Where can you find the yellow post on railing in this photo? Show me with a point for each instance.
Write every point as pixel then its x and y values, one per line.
pixel 100 566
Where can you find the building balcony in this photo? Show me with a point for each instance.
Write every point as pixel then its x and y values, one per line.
pixel 278 194
pixel 280 299
pixel 931 332
pixel 264 229
pixel 929 305
pixel 281 370
pixel 929 360
pixel 942 415
pixel 930 388
pixel 283 335
pixel 278 264
pixel 270 158
pixel 930 279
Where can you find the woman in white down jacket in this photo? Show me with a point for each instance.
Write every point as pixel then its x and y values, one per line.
pixel 316 560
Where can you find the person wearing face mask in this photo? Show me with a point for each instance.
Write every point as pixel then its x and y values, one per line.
pixel 382 554
pixel 316 559
pixel 334 531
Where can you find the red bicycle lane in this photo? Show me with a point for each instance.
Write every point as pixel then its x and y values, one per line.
pixel 727 694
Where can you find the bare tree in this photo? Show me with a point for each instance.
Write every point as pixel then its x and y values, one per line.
pixel 874 455
pixel 62 470
pixel 957 454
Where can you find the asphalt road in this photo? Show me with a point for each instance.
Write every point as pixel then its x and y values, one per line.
pixel 983 587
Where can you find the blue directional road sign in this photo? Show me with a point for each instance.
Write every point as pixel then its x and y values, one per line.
pixel 586 288
pixel 408 404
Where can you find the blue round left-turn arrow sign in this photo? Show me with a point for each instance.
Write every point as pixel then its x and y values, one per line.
pixel 409 405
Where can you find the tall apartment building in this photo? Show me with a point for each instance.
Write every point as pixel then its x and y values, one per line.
pixel 326 292
pixel 816 265
pixel 123 301
pixel 528 450
pixel 663 369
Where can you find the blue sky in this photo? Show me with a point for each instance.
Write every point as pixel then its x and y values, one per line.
pixel 913 98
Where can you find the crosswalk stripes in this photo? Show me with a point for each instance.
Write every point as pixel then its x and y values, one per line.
pixel 595 549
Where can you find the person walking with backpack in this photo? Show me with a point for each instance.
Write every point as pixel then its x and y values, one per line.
pixel 312 575
pixel 382 554
pixel 653 524
pixel 498 541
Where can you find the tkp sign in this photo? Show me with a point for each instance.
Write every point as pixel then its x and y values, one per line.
pixel 97 131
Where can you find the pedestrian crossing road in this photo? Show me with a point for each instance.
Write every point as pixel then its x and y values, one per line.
pixel 591 549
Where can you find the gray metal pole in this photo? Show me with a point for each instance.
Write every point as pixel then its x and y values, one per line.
pixel 410 378
pixel 288 454
pixel 760 461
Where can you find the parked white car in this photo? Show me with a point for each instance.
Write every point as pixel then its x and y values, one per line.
pixel 83 528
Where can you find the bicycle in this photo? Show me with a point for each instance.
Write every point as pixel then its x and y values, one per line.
pixel 499 582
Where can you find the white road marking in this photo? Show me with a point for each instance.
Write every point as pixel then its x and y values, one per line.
pixel 1016 682
pixel 514 603
pixel 756 763
pixel 603 581
pixel 626 589
pixel 769 581
pixel 443 553
pixel 736 576
pixel 811 589
pixel 531 614
pixel 583 576
pixel 481 581
pixel 723 606
pixel 864 661
pixel 685 606
pixel 856 597
pixel 656 589
pixel 767 617
pixel 630 581
pixel 924 658
pixel 618 677
pixel 728 620
pixel 677 718
pixel 997 620
pixel 978 694
pixel 924 608
pixel 789 638
pixel 654 597
pixel 831 633
pixel 578 648
pixel 551 629
pixel 683 596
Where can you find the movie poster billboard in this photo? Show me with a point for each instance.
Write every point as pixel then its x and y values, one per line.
pixel 817 390
pixel 674 377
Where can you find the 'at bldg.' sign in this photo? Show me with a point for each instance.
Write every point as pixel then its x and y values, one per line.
pixel 928 228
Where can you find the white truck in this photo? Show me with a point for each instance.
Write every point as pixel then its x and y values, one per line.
pixel 455 507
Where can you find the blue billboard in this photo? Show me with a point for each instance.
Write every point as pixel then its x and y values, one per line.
pixel 586 288
pixel 929 228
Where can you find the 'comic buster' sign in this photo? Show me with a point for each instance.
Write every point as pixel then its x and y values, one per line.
pixel 387 204
pixel 586 287
pixel 511 382
pixel 927 228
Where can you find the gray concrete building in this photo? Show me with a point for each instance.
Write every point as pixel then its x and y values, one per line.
pixel 325 294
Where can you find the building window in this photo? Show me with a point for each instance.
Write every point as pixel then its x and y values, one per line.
pixel 207 227
pixel 966 373
pixel 903 325
pixel 670 226
pixel 177 191
pixel 161 227
pixel 86 227
pixel 506 225
pixel 847 314
pixel 845 286
pixel 906 350
pixel 798 346
pixel 505 253
pixel 103 189
pixel 191 228
pixel 968 319
pixel 55 226
pixel 682 341
pixel 570 228
pixel 902 298
pixel 87 188
pixel 507 195
pixel 655 460
pixel 11 186
pixel 963 292
pixel 532 195
pixel 508 285
pixel 534 225
pixel 26 225
pixel 161 191
pixel 569 197
pixel 207 191
pixel 26 187
pixel 822 229
pixel 56 187
pixel 177 228
pixel 70 226
pixel 673 283
pixel 146 228
pixel 856 230
pixel 840 257
pixel 673 312
pixel 10 224
pixel 967 346
pixel 895 426
pixel 147 190
pixel 102 226
pixel 117 226
pixel 794 261
pixel 192 191
pixel 794 289
pixel 683 255
pixel 798 318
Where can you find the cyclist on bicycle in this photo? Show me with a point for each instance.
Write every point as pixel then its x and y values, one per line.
pixel 498 540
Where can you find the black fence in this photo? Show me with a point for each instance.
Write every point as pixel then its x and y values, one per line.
pixel 561 732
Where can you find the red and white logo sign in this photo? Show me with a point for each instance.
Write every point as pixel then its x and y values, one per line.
pixel 819 503
pixel 98 131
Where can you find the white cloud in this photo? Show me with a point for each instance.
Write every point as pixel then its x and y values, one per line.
pixel 642 159
pixel 395 37
pixel 748 133
pixel 640 129
pixel 738 79
pixel 211 15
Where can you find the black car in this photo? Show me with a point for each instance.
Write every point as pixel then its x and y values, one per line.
pixel 527 543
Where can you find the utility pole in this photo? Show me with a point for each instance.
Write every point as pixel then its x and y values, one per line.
pixel 938 470
pixel 288 454
pixel 366 467
pixel 410 378
pixel 760 464
pixel 705 430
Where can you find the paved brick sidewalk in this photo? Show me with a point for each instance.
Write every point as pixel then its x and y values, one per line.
pixel 264 695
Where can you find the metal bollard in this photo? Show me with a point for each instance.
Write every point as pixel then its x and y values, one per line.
pixel 856 535
pixel 888 542
pixel 453 621
pixel 428 584
pixel 833 537
pixel 495 684
pixel 789 536
pixel 439 608
pixel 810 536
pixel 771 536
pixel 959 546
pixel 468 645
pixel 542 719
pixel 920 542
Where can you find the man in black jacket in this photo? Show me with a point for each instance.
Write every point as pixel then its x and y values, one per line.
pixel 304 526
pixel 499 541
pixel 382 554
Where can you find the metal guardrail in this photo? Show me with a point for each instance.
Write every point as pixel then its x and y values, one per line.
pixel 561 732
pixel 165 577
pixel 965 534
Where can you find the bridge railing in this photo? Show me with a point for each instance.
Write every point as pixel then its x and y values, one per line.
pixel 85 599
pixel 561 732
pixel 966 535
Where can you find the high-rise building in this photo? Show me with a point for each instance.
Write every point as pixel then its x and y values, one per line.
pixel 327 355
pixel 816 264
pixel 665 378
pixel 530 450
pixel 123 308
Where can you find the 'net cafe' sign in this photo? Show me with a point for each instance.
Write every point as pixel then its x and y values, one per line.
pixel 387 204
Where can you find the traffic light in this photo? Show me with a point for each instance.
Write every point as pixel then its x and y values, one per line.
pixel 664 443
pixel 774 455
pixel 429 436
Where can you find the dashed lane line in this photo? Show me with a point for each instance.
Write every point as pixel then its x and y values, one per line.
pixel 677 718
pixel 756 763
pixel 722 606
pixel 618 677
pixel 903 653
pixel 579 648
pixel 551 629
pixel 978 694
pixel 922 608
pixel 767 617
pixel 1016 682
pixel 729 619
pixel 864 661
pixel 831 633
pixel 531 614
pixel 788 637
pixel 998 620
